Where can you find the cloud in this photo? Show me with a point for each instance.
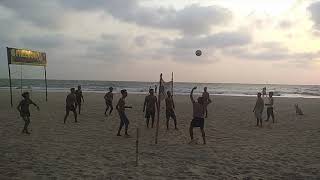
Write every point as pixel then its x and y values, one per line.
pixel 43 14
pixel 44 41
pixel 271 51
pixel 314 10
pixel 218 40
pixel 193 19
pixel 285 24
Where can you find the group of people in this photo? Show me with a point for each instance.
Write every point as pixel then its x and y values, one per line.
pixel 260 104
pixel 75 98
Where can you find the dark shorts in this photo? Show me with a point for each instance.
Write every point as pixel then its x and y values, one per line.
pixel 170 113
pixel 79 101
pixel 197 122
pixel 123 118
pixel 70 108
pixel 150 113
pixel 270 111
pixel 25 114
pixel 109 103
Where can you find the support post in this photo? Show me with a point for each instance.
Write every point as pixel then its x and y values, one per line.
pixel 10 83
pixel 158 112
pixel 137 148
pixel 45 77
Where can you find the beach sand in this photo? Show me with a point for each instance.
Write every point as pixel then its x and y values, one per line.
pixel 90 149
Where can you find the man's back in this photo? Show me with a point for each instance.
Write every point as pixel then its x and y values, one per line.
pixel 151 101
pixel 71 99
pixel 169 103
pixel 198 110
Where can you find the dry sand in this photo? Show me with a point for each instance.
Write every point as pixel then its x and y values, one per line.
pixel 90 149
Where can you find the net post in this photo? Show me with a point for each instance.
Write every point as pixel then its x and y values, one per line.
pixel 45 78
pixel 158 112
pixel 9 71
pixel 137 148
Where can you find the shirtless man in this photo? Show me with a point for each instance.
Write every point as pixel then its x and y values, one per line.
pixel 121 106
pixel 198 115
pixel 109 98
pixel 149 107
pixel 79 97
pixel 258 109
pixel 23 108
pixel 71 105
pixel 206 99
pixel 170 110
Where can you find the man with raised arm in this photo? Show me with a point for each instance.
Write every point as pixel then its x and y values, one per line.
pixel 198 115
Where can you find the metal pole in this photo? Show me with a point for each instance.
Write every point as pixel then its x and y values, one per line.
pixel 172 83
pixel 137 148
pixel 21 78
pixel 158 114
pixel 45 77
pixel 10 85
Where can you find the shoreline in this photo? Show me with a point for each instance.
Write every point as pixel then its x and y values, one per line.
pixel 144 93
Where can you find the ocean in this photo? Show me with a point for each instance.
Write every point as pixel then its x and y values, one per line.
pixel 180 88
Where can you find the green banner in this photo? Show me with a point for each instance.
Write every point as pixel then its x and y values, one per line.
pixel 26 57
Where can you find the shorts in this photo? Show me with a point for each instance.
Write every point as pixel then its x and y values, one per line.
pixel 79 101
pixel 258 114
pixel 170 113
pixel 70 108
pixel 150 113
pixel 25 114
pixel 108 103
pixel 123 119
pixel 197 122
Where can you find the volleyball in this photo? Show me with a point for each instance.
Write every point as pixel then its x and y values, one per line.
pixel 198 53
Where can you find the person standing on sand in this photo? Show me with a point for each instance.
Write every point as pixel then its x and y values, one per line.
pixel 79 97
pixel 269 105
pixel 198 116
pixel 149 107
pixel 24 111
pixel 258 109
pixel 155 88
pixel 264 92
pixel 206 99
pixel 170 110
pixel 108 99
pixel 71 105
pixel 121 106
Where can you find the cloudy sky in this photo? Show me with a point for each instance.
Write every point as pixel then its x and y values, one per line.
pixel 247 41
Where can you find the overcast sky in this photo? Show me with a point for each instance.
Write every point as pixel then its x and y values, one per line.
pixel 247 41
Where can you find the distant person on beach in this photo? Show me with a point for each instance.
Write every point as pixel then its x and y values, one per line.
pixel 149 107
pixel 264 92
pixel 24 111
pixel 269 105
pixel 206 99
pixel 121 106
pixel 258 109
pixel 79 97
pixel 108 99
pixel 71 105
pixel 170 110
pixel 155 88
pixel 198 115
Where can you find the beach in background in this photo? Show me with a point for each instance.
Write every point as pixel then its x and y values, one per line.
pixel 90 149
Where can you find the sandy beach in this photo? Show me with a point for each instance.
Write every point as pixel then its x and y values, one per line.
pixel 90 149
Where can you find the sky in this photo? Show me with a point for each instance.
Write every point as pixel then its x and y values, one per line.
pixel 247 41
